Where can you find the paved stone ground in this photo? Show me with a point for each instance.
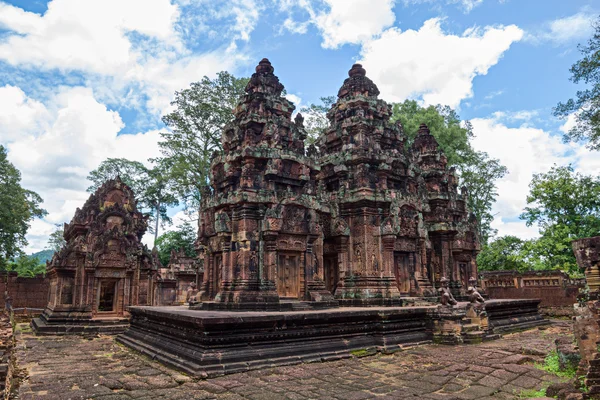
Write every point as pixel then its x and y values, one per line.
pixel 99 368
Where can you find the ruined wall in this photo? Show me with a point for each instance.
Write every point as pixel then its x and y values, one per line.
pixel 557 292
pixel 24 292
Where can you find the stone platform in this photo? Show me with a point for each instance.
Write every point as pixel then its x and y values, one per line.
pixel 77 324
pixel 212 343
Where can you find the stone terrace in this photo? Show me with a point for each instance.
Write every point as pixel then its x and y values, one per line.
pixel 99 368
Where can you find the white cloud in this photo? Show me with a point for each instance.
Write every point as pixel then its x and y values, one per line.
pixel 564 30
pixel 467 5
pixel 433 65
pixel 20 115
pixel 525 151
pixel 343 21
pixel 294 99
pixel 55 162
pixel 85 35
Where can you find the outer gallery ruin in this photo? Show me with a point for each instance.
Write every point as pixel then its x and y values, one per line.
pixel 358 219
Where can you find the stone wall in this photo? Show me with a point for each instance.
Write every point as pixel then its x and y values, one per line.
pixel 24 292
pixel 555 289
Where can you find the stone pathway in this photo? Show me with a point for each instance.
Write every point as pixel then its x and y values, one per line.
pixel 99 368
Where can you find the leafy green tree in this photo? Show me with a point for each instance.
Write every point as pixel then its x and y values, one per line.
pixel 565 206
pixel 586 107
pixel 446 126
pixel 150 186
pixel 201 111
pixel 181 238
pixel 503 253
pixel 27 266
pixel 18 207
pixel 56 240
pixel 315 118
pixel 479 174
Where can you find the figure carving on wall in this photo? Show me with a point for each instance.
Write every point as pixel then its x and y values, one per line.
pixel 474 295
pixel 446 297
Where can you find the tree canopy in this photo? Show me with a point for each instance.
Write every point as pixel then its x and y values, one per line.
pixel 586 106
pixel 56 241
pixel 18 207
pixel 183 237
pixel 201 111
pixel 565 205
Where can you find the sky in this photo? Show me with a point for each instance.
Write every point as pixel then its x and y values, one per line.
pixel 84 80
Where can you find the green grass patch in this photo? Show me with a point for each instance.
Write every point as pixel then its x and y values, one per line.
pixel 552 365
pixel 362 353
pixel 531 394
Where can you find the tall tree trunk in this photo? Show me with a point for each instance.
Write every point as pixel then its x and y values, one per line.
pixel 156 223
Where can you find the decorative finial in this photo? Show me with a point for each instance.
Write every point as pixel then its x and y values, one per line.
pixel 264 67
pixel 357 70
pixel 423 129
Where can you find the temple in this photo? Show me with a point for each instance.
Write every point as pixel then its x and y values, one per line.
pixel 363 218
pixel 102 269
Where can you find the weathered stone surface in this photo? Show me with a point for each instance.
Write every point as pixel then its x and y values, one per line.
pixel 106 369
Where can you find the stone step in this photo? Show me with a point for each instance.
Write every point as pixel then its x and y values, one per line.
pixel 471 327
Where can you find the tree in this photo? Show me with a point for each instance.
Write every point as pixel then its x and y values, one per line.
pixel 56 241
pixel 315 118
pixel 443 122
pixel 181 238
pixel 566 206
pixel 586 107
pixel 479 174
pixel 150 186
pixel 503 253
pixel 201 112
pixel 18 207
pixel 27 266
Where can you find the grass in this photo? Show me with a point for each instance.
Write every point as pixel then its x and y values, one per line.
pixel 362 353
pixel 531 394
pixel 552 365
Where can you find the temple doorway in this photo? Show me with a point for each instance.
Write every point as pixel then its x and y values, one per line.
pixel 330 272
pixel 404 271
pixel 107 296
pixel 288 275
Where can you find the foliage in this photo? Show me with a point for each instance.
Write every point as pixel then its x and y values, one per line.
pixel 553 365
pixel 586 107
pixel 504 253
pixel 27 266
pixel 315 118
pixel 479 174
pixel 18 207
pixel 566 206
pixel 56 241
pixel 181 238
pixel 532 393
pixel 149 185
pixel 43 256
pixel 201 111
pixel 444 124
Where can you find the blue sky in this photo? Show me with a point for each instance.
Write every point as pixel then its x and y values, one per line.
pixel 81 81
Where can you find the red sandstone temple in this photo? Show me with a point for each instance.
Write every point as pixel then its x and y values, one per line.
pixel 360 219
pixel 103 268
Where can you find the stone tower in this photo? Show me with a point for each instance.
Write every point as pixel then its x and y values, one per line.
pixel 259 220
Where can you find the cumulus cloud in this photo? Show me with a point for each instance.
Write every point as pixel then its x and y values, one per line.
pixel 432 65
pixel 343 21
pixel 525 151
pixel 20 115
pixel 80 134
pixel 85 35
pixel 565 30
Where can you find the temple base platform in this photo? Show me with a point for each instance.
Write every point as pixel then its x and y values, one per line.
pixel 207 343
pixel 77 323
